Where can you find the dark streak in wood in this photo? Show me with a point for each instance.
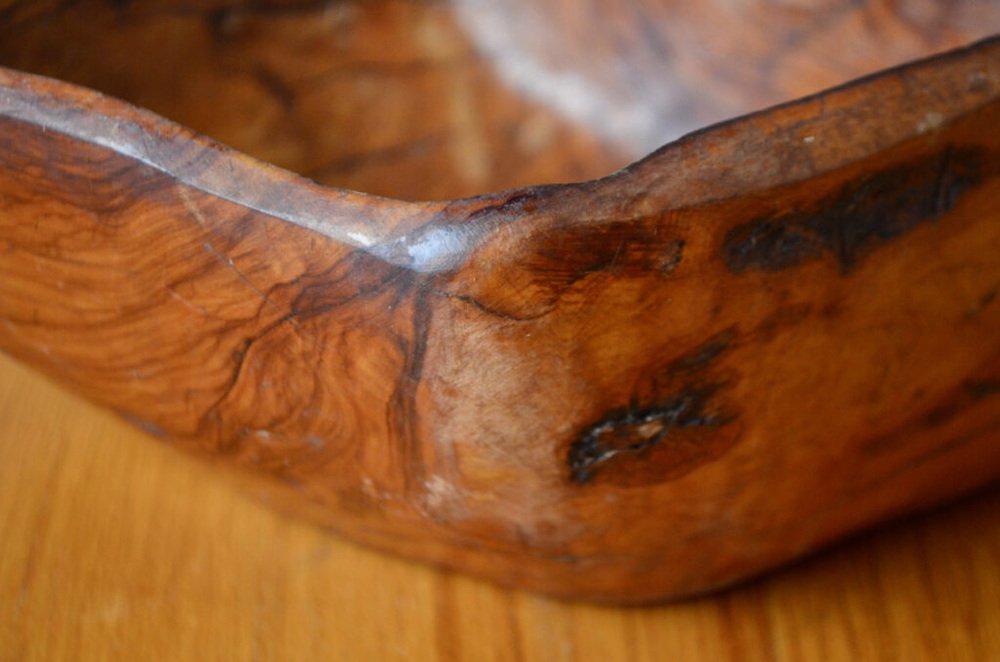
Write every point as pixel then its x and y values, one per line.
pixel 403 411
pixel 704 354
pixel 629 432
pixel 861 216
pixel 562 387
pixel 980 389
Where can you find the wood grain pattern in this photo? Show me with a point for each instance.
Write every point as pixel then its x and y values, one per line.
pixel 116 548
pixel 436 100
pixel 623 389
pixel 386 97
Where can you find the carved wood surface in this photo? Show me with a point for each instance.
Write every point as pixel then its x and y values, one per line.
pixel 116 547
pixel 746 345
pixel 435 100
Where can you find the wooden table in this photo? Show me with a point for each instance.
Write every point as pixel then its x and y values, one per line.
pixel 113 546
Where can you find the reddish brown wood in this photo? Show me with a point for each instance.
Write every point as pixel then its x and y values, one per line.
pixel 436 100
pixel 758 339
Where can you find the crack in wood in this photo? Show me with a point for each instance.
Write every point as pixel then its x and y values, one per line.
pixel 633 431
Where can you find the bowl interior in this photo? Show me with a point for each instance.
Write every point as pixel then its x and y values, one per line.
pixel 417 99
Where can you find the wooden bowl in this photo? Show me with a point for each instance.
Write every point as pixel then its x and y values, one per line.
pixel 762 337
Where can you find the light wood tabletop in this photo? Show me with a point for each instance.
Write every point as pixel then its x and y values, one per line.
pixel 113 546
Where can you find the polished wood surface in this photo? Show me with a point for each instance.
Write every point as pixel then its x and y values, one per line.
pixel 624 389
pixel 434 100
pixel 386 97
pixel 114 548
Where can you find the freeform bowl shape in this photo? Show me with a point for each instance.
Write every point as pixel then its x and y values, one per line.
pixel 762 337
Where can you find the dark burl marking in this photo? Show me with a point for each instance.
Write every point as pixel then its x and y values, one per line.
pixel 629 249
pixel 646 444
pixel 948 407
pixel 859 217
pixel 631 431
pixel 704 354
pixel 983 389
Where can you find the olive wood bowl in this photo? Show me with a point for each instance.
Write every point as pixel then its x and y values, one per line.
pixel 760 338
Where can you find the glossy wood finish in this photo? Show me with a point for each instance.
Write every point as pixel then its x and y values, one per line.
pixel 435 100
pixel 104 559
pixel 623 389
pixel 386 97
